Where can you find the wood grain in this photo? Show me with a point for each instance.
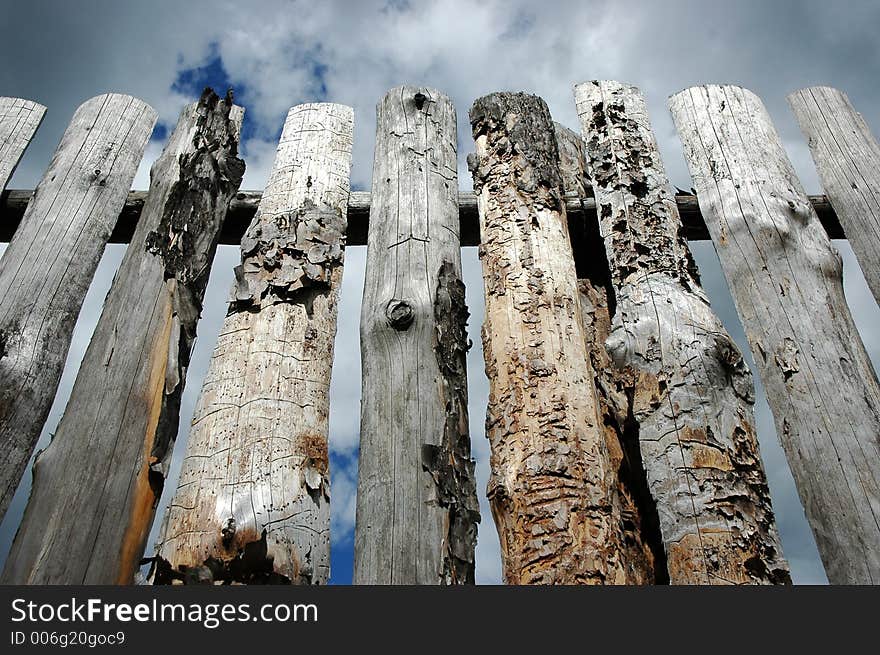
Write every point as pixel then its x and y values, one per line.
pixel 786 280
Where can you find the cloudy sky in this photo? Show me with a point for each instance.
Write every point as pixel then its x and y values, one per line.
pixel 276 54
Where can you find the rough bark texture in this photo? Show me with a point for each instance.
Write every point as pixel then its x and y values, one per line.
pixel 107 461
pixel 244 206
pixel 632 506
pixel 253 501
pixel 417 509
pixel 847 157
pixel 785 278
pixel 48 266
pixel 19 120
pixel 552 483
pixel 690 391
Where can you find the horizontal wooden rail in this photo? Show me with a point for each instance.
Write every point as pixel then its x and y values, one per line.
pixel 244 205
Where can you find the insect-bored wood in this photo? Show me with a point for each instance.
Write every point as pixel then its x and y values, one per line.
pixel 417 510
pixel 48 266
pixel 632 507
pixel 786 280
pixel 19 120
pixel 847 157
pixel 253 500
pixel 552 482
pixel 690 392
pixel 97 484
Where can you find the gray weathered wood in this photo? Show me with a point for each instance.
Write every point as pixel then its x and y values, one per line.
pixel 847 157
pixel 632 508
pixel 690 391
pixel 19 120
pixel 253 501
pixel 243 207
pixel 48 266
pixel 551 484
pixel 416 505
pixel 107 461
pixel 786 280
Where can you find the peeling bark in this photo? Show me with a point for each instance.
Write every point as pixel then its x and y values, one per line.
pixel 786 280
pixel 552 487
pixel 253 500
pixel 106 464
pixel 48 266
pixel 19 120
pixel 847 157
pixel 690 392
pixel 417 509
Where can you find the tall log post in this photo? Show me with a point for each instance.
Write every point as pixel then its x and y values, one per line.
pixel 19 120
pixel 50 261
pixel 690 391
pixel 97 484
pixel 847 157
pixel 552 484
pixel 786 280
pixel 632 508
pixel 253 501
pixel 417 509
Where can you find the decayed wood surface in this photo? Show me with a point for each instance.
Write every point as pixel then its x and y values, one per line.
pixel 847 157
pixel 632 508
pixel 551 484
pixel 690 391
pixel 19 120
pixel 253 501
pixel 107 461
pixel 786 280
pixel 243 207
pixel 49 263
pixel 417 508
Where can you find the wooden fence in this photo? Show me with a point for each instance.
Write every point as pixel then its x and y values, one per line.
pixel 620 418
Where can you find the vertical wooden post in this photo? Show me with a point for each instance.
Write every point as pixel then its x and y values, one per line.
pixel 417 508
pixel 49 263
pixel 632 506
pixel 691 393
pixel 847 157
pixel 551 484
pixel 19 120
pixel 253 501
pixel 107 461
pixel 785 278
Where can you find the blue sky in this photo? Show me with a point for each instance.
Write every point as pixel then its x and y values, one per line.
pixel 278 53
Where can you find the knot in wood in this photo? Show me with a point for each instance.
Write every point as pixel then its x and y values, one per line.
pixel 400 314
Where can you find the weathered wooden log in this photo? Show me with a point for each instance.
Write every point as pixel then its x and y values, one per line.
pixel 690 391
pixel 48 266
pixel 551 484
pixel 107 461
pixel 243 207
pixel 253 501
pixel 847 157
pixel 19 120
pixel 632 507
pixel 417 509
pixel 786 280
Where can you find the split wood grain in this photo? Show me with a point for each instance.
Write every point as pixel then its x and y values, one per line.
pixel 46 270
pixel 97 484
pixel 417 509
pixel 19 120
pixel 847 157
pixel 786 280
